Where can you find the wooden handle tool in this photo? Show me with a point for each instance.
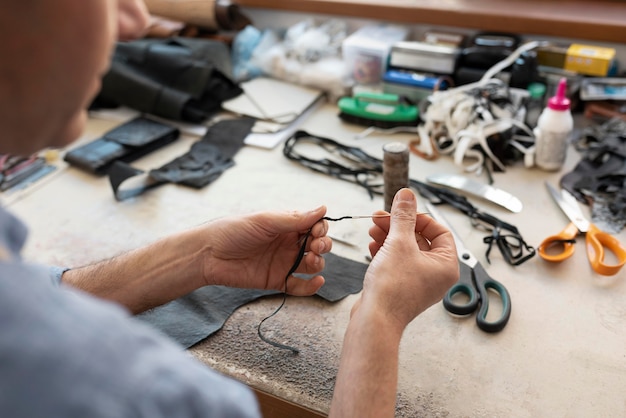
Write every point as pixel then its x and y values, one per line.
pixel 209 14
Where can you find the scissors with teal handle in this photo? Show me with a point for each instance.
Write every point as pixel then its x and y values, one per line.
pixel 474 282
pixel 560 246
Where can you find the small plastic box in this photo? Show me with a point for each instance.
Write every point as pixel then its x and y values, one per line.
pixel 590 60
pixel 422 56
pixel 366 51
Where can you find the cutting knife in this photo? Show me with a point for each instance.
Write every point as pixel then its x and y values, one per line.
pixel 485 191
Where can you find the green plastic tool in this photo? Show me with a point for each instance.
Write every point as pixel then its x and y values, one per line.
pixel 378 109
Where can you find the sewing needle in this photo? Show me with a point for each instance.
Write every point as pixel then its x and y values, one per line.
pixel 351 244
pixel 382 215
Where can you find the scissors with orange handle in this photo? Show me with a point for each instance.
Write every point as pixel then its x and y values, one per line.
pixel 597 241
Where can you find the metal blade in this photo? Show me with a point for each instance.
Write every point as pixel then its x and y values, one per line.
pixel 570 208
pixel 475 188
pixel 462 252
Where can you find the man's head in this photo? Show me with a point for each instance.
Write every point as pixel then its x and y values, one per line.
pixel 52 57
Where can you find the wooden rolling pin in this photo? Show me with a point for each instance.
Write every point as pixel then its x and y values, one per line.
pixel 209 14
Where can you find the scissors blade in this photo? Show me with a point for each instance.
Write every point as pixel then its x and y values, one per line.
pixel 570 207
pixel 464 254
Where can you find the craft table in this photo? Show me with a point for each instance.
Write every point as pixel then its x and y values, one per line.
pixel 562 354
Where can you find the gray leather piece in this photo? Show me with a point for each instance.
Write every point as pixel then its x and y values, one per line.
pixel 193 317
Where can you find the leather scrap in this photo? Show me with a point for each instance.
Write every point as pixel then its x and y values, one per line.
pixel 599 178
pixel 196 316
pixel 206 160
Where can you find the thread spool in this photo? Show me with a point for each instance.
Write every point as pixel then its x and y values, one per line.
pixel 395 170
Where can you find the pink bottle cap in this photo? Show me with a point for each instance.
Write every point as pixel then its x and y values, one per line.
pixel 560 102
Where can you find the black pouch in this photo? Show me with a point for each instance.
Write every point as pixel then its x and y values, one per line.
pixel 127 142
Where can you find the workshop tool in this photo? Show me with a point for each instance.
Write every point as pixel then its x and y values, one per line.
pixel 378 109
pixel 212 15
pixel 506 236
pixel 424 57
pixel 413 85
pixel 474 282
pixel 484 191
pixel 559 247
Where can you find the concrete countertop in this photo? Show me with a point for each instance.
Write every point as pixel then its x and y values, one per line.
pixel 562 354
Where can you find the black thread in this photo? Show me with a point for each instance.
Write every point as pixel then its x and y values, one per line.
pixel 337 219
pixel 291 271
pixel 347 163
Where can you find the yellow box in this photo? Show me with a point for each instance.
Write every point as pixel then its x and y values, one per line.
pixel 589 59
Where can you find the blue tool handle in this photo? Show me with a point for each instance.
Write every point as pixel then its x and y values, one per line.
pixel 465 285
pixel 484 283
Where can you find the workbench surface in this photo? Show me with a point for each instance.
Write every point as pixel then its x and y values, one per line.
pixel 562 354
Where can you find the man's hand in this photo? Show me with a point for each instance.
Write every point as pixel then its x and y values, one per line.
pixel 133 19
pixel 414 261
pixel 257 251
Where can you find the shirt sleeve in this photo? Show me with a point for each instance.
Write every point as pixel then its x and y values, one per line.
pixel 55 273
pixel 66 353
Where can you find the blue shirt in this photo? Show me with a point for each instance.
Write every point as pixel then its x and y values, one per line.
pixel 64 353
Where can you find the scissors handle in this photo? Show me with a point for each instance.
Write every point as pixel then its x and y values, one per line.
pixel 484 283
pixel 597 241
pixel 474 283
pixel 465 286
pixel 563 241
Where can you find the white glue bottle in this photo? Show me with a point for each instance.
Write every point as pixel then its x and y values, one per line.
pixel 554 127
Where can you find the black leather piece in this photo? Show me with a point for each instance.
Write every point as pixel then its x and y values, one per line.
pixel 207 159
pixel 177 78
pixel 599 178
pixel 193 317
pixel 127 142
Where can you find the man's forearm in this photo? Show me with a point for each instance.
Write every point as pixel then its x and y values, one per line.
pixel 144 278
pixel 368 373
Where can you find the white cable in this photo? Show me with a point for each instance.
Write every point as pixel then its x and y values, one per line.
pixel 508 61
pixel 462 127
pixel 386 131
pixel 489 76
